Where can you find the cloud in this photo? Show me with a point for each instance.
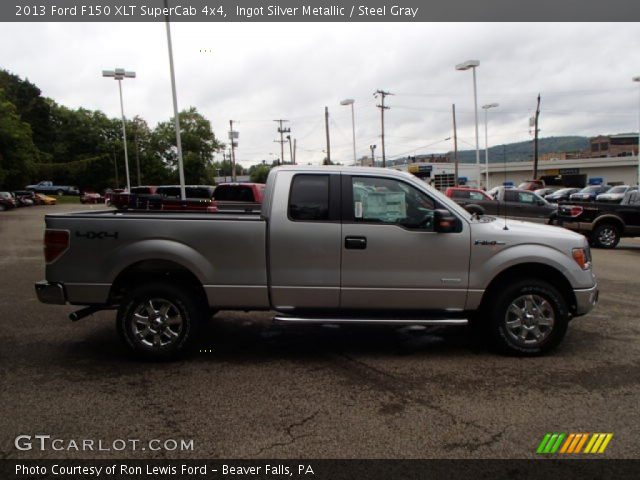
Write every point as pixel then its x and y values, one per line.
pixel 254 73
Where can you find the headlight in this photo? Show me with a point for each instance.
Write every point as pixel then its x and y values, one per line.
pixel 582 257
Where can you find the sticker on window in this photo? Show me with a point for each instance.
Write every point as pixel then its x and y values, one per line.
pixel 385 206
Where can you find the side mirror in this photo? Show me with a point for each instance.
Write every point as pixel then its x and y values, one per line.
pixel 445 222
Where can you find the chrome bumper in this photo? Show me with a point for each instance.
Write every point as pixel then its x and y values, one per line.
pixel 51 293
pixel 586 300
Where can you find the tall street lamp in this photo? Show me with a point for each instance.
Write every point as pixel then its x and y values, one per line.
pixel 637 79
pixel 351 101
pixel 120 74
pixel 486 141
pixel 473 64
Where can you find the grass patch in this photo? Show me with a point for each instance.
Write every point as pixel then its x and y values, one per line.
pixel 65 199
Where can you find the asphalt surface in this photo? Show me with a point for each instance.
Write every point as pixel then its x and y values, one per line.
pixel 314 392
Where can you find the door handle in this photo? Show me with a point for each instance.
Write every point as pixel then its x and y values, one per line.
pixel 355 243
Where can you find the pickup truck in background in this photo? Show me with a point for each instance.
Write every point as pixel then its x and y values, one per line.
pixel 331 245
pixel 51 188
pixel 603 223
pixel 507 202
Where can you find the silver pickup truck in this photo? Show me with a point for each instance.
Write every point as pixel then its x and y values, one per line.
pixel 334 245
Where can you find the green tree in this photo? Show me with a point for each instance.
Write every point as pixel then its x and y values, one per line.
pixel 198 146
pixel 31 106
pixel 259 173
pixel 18 153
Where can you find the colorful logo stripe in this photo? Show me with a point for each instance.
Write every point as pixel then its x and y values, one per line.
pixel 573 443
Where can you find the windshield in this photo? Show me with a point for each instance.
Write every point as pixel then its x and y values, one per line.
pixel 618 189
pixel 591 189
pixel 564 191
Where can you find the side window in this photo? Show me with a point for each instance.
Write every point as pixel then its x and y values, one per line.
pixel 476 196
pixel 387 201
pixel 461 194
pixel 309 198
pixel 510 196
pixel 525 197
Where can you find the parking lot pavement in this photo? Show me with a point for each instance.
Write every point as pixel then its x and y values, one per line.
pixel 259 391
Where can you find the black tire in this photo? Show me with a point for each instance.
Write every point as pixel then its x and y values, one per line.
pixel 546 305
pixel 605 235
pixel 2 208
pixel 142 337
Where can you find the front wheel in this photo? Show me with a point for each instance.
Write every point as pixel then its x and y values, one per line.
pixel 527 318
pixel 605 235
pixel 159 321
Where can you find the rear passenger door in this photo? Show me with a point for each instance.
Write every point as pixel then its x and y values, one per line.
pixel 304 242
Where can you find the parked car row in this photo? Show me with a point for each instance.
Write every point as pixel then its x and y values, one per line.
pixel 24 198
pixel 503 201
pixel 223 197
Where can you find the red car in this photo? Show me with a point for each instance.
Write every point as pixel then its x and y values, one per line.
pixel 531 185
pixel 466 193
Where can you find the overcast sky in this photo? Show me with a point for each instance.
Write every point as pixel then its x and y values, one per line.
pixel 254 73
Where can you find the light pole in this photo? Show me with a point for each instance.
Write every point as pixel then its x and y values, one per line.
pixel 473 64
pixel 351 101
pixel 637 79
pixel 486 141
pixel 176 115
pixel 120 74
pixel 373 157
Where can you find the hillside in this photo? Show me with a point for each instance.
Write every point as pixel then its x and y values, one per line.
pixel 521 151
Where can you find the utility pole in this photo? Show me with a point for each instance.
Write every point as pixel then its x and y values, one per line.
pixel 326 127
pixel 382 108
pixel 135 141
pixel 535 142
pixel 115 164
pixel 233 136
pixel 294 150
pixel 455 144
pixel 281 131
pixel 290 149
pixel 373 158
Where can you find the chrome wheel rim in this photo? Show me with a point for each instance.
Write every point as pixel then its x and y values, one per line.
pixel 607 236
pixel 529 320
pixel 157 323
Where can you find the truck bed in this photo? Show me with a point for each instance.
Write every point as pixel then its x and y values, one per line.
pixel 225 251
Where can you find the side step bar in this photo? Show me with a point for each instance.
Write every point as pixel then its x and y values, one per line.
pixel 440 322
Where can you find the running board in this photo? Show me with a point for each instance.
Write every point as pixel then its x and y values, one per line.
pixel 440 322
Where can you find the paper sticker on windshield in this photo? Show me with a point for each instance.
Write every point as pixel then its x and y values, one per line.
pixel 358 212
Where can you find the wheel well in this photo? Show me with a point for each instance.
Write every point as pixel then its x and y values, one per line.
pixel 154 270
pixel 538 271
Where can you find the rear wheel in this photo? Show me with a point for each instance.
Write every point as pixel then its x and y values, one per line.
pixel 159 321
pixel 605 235
pixel 527 318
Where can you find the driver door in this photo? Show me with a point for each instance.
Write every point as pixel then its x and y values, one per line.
pixel 391 257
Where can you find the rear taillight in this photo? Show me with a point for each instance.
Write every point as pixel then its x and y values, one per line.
pixel 56 243
pixel 576 211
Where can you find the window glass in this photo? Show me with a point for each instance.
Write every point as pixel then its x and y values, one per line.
pixel 388 201
pixel 476 196
pixel 309 198
pixel 460 194
pixel 526 197
pixel 233 193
